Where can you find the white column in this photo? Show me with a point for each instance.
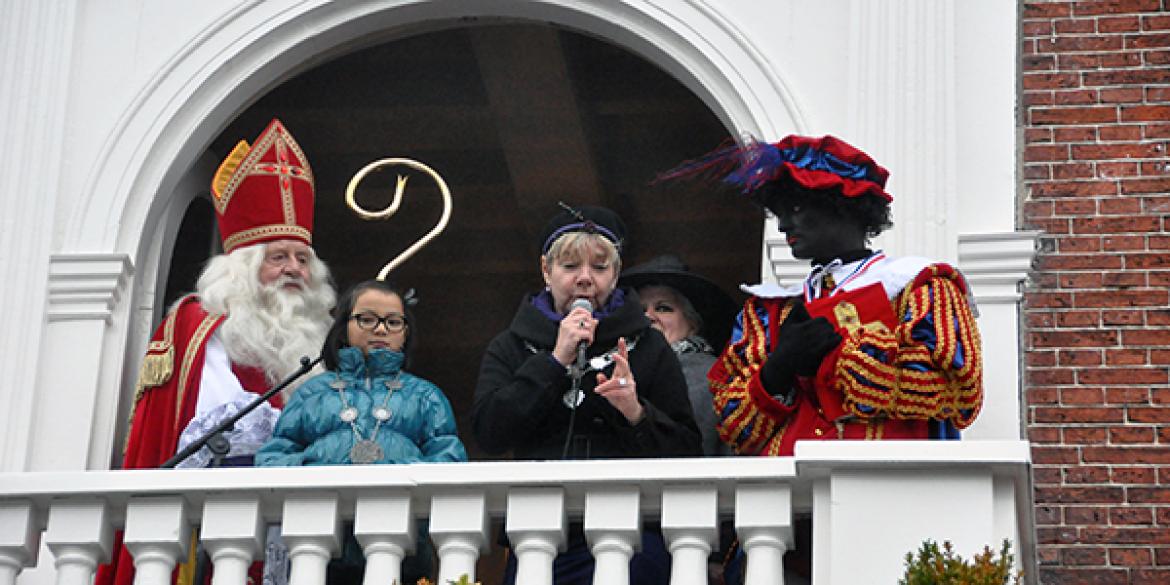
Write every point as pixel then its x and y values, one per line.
pixel 232 534
pixel 690 524
pixel 86 304
pixel 37 42
pixel 822 542
pixel 886 513
pixel 763 520
pixel 384 525
pixel 19 539
pixel 536 526
pixel 994 265
pixel 459 530
pixel 904 116
pixel 80 536
pixel 311 529
pixel 157 535
pixel 613 529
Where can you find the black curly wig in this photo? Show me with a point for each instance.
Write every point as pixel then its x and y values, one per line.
pixel 869 211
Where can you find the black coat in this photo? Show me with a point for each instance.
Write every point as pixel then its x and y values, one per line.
pixel 518 404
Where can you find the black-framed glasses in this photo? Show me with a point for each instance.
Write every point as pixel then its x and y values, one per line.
pixel 393 322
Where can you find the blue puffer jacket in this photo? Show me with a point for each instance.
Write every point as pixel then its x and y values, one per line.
pixel 421 425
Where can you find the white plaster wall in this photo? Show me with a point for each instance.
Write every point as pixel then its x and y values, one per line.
pixel 141 87
pixel 123 46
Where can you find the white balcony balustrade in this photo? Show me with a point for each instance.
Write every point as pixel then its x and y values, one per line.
pixel 870 503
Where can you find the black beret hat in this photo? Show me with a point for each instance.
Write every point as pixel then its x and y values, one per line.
pixel 585 218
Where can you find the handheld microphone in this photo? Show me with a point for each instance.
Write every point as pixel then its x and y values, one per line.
pixel 584 345
pixel 574 397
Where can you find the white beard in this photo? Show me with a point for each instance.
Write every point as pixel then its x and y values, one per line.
pixel 269 327
pixel 275 332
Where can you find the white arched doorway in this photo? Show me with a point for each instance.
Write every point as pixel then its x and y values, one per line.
pixel 149 155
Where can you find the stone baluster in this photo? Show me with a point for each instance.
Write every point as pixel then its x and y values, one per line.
pixel 157 535
pixel 384 525
pixel 19 539
pixel 81 537
pixel 232 534
pixel 613 529
pixel 459 524
pixel 763 521
pixel 690 525
pixel 312 530
pixel 536 526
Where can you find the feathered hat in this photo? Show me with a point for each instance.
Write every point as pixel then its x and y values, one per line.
pixel 264 192
pixel 816 164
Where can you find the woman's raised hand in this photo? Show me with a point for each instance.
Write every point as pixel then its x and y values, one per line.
pixel 576 327
pixel 621 390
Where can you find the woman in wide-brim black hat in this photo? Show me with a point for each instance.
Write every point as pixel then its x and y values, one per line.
pixel 695 316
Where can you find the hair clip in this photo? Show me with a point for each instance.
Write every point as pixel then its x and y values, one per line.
pixel 587 225
pixel 409 298
pixel 573 212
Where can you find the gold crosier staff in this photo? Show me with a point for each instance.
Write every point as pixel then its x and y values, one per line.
pixel 390 210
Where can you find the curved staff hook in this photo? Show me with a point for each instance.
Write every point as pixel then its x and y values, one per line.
pixel 393 207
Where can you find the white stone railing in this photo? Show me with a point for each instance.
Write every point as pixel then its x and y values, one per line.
pixel 870 504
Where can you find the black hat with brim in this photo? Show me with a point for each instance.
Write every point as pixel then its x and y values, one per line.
pixel 713 304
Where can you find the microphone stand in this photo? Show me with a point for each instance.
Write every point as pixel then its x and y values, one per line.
pixel 576 372
pixel 215 439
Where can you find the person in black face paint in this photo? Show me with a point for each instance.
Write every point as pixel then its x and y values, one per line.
pixel 869 346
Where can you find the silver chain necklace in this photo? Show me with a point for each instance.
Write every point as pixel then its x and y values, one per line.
pixel 366 450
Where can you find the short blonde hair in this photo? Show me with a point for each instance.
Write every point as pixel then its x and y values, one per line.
pixel 583 245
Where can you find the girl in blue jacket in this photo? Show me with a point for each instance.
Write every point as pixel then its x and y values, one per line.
pixel 365 408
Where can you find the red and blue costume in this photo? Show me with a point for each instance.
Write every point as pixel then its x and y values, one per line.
pixel 907 364
pixel 916 378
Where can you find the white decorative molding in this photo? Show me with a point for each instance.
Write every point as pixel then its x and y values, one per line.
pixel 613 498
pixel 242 52
pixel 903 113
pixel 996 263
pixel 140 111
pixel 459 530
pixel 166 121
pixel 37 44
pixel 80 535
pixel 312 530
pixel 20 537
pixel 763 523
pixel 384 525
pixel 785 269
pixel 690 525
pixel 613 529
pixel 537 526
pixel 764 65
pixel 86 286
pixel 858 506
pixel 158 534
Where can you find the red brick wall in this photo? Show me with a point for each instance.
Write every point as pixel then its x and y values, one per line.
pixel 1096 115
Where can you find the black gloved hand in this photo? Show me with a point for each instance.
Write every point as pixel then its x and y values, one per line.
pixel 801 344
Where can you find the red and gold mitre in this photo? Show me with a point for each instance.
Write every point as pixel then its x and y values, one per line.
pixel 264 192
